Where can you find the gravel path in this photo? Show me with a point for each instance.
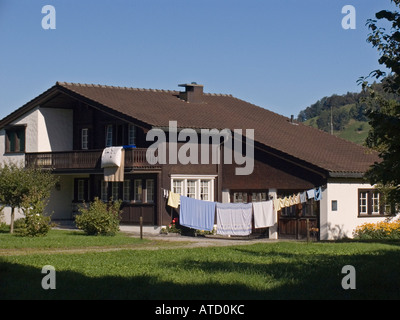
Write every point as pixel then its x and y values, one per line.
pixel 157 242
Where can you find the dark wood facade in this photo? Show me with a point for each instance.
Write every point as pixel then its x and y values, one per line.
pixel 271 169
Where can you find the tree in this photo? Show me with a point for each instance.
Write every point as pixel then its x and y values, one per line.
pixel 384 135
pixel 24 188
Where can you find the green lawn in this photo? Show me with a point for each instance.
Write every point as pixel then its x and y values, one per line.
pixel 279 270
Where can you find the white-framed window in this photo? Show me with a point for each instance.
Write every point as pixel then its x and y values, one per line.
pixel 126 193
pixel 375 203
pixel 104 191
pixel 177 186
pixel 149 190
pixel 194 186
pixel 109 135
pixel 191 188
pixel 84 138
pixel 363 202
pixel 205 189
pixel 138 192
pixel 132 134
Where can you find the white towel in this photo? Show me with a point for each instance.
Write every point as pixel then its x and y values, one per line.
pixel 311 194
pixel 234 219
pixel 264 215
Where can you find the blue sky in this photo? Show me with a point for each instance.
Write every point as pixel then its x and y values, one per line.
pixel 282 55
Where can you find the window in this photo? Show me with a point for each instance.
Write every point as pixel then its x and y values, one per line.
pixel 369 203
pixel 81 189
pixel 109 135
pixel 126 194
pixel 204 189
pixel 334 205
pixel 375 202
pixel 191 189
pixel 138 190
pixel 150 191
pixel 240 197
pixel 177 186
pixel 84 138
pixel 363 198
pixel 132 134
pixel 196 187
pixel 115 190
pixel 15 139
pixel 104 191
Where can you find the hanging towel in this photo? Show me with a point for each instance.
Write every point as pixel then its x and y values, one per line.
pixel 311 194
pixel 303 197
pixel 197 214
pixel 263 214
pixel 277 204
pixel 173 199
pixel 286 202
pixel 318 194
pixel 234 219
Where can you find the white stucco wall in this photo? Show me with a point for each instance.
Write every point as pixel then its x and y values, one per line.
pixel 54 130
pixel 341 223
pixel 47 129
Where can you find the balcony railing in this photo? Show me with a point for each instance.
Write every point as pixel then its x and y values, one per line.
pixel 85 159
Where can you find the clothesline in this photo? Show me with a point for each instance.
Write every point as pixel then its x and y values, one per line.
pixel 234 218
pixel 278 203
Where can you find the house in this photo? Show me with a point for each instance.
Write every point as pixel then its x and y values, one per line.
pixel 67 127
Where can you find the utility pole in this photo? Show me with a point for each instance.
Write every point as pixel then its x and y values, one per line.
pixel 331 121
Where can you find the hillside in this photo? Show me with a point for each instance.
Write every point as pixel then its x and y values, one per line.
pixel 347 111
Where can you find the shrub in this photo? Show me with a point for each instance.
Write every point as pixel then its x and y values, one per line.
pixel 378 231
pixel 99 218
pixel 33 225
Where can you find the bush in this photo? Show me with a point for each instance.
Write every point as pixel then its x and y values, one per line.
pixel 99 218
pixel 378 231
pixel 33 225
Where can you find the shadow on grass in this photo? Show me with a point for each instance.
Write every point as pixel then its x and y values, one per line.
pixel 311 277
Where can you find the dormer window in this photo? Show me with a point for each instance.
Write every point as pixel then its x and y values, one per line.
pixel 15 139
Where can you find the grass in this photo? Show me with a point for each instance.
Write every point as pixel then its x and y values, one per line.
pixel 279 270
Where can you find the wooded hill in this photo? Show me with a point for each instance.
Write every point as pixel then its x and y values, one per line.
pixel 348 113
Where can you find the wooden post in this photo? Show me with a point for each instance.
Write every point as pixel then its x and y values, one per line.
pixel 141 223
pixel 308 229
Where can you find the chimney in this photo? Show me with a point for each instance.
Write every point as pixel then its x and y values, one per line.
pixel 193 93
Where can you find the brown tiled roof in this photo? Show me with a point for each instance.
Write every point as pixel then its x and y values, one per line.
pixel 158 107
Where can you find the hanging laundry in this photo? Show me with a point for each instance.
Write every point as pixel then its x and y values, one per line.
pixel 318 194
pixel 197 214
pixel 111 157
pixel 311 194
pixel 264 215
pixel 277 204
pixel 113 163
pixel 303 197
pixel 165 193
pixel 174 199
pixel 286 202
pixel 234 219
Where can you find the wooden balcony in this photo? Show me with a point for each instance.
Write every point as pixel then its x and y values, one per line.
pixel 85 159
